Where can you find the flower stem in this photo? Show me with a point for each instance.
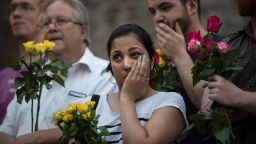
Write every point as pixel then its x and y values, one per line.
pixel 38 106
pixel 32 113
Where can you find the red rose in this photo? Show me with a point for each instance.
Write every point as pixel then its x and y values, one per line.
pixel 156 57
pixel 194 35
pixel 208 44
pixel 213 24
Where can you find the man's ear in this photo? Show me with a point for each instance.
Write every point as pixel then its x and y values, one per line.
pixel 84 32
pixel 192 7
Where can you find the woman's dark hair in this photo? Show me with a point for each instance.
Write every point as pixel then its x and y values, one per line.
pixel 138 31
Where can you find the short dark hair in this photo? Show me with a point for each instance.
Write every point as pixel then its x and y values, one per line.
pixel 138 31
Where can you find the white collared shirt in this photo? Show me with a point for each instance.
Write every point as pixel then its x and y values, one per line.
pixel 85 77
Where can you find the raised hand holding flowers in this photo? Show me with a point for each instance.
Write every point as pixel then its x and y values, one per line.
pixel 36 73
pixel 214 57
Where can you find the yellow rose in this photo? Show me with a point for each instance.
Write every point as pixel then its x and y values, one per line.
pixel 71 108
pixel 160 52
pixel 49 45
pixel 68 118
pixel 83 108
pixel 85 116
pixel 88 114
pixel 161 62
pixel 40 48
pixel 92 103
pixel 29 46
pixel 59 115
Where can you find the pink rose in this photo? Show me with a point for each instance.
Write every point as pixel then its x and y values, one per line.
pixel 193 46
pixel 208 44
pixel 194 35
pixel 213 24
pixel 223 47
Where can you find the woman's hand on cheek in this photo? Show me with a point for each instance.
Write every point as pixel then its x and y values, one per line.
pixel 136 83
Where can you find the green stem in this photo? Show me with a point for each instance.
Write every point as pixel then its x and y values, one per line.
pixel 39 97
pixel 38 106
pixel 32 101
pixel 32 117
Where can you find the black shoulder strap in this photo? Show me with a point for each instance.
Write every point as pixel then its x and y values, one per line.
pixel 95 98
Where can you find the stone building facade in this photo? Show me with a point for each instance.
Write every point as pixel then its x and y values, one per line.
pixel 107 15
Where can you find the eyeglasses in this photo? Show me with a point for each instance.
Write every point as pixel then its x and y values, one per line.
pixel 59 21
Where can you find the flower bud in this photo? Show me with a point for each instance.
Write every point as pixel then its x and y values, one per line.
pixel 49 45
pixel 213 24
pixel 160 52
pixel 223 47
pixel 29 46
pixel 40 48
pixel 161 62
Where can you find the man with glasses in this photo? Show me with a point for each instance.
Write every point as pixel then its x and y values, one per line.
pixel 65 23
pixel 23 18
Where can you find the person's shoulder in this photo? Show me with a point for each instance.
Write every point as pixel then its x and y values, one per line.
pixel 8 73
pixel 235 35
pixel 100 61
pixel 169 94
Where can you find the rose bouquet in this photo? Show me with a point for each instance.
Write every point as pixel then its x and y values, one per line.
pixel 79 124
pixel 164 76
pixel 214 57
pixel 37 72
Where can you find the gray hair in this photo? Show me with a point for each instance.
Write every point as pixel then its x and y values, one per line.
pixel 80 12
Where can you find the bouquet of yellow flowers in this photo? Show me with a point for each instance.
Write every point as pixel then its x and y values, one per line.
pixel 36 73
pixel 164 76
pixel 79 124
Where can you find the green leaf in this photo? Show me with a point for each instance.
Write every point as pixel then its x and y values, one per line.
pixel 19 81
pixel 223 135
pixel 20 94
pixel 206 73
pixel 41 74
pixel 197 117
pixel 73 129
pixel 103 131
pixel 185 133
pixel 59 80
pixel 64 126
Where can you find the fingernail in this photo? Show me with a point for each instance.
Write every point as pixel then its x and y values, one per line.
pixel 161 24
pixel 145 58
pixel 139 59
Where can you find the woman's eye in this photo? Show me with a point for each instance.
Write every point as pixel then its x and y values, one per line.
pixel 116 58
